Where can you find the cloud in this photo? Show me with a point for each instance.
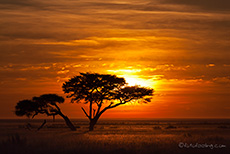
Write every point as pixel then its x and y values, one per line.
pixel 222 80
pixel 21 79
pixel 19 3
pixel 176 43
pixel 210 65
pixel 213 5
pixel 63 72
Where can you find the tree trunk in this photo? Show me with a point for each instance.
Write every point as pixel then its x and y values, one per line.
pixel 91 125
pixel 68 122
pixel 53 118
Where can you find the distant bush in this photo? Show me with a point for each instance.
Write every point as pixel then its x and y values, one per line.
pixel 171 127
pixel 187 135
pixel 157 127
pixel 113 127
pixel 59 126
pixel 14 139
pixel 223 127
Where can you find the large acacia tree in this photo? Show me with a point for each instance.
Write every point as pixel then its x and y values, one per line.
pixel 103 92
pixel 44 104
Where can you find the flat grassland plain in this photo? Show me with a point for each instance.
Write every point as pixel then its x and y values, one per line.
pixel 155 136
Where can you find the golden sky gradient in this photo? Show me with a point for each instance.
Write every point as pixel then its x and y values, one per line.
pixel 180 48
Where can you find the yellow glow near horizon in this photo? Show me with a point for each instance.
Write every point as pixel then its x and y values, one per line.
pixel 125 71
pixel 132 78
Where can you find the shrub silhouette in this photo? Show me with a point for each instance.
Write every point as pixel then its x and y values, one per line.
pixel 100 90
pixel 44 104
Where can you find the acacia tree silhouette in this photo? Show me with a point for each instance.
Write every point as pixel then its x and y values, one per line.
pixel 103 89
pixel 44 104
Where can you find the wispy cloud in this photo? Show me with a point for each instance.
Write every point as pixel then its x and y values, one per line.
pixel 177 43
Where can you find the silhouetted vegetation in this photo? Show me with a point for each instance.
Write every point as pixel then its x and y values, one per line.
pixel 45 104
pixel 117 136
pixel 100 90
pixel 170 127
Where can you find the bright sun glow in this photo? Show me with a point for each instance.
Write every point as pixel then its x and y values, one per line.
pixel 133 79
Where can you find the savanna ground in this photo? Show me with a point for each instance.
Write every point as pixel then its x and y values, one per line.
pixel 115 137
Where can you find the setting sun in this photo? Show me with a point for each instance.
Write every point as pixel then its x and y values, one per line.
pixel 133 80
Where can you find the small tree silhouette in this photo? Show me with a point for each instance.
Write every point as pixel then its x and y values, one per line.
pixel 103 89
pixel 45 104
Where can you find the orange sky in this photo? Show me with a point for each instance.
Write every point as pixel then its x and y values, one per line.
pixel 178 47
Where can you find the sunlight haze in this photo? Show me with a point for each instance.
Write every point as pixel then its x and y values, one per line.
pixel 179 48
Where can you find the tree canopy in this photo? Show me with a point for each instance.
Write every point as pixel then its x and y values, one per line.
pixel 45 104
pixel 26 107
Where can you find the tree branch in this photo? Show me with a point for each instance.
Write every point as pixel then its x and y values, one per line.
pixel 110 106
pixel 99 107
pixel 34 115
pixel 85 112
pixel 116 105
pixel 47 113
pixel 102 111
pixel 94 111
pixel 59 110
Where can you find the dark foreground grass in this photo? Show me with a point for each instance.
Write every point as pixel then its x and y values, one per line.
pixel 119 139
